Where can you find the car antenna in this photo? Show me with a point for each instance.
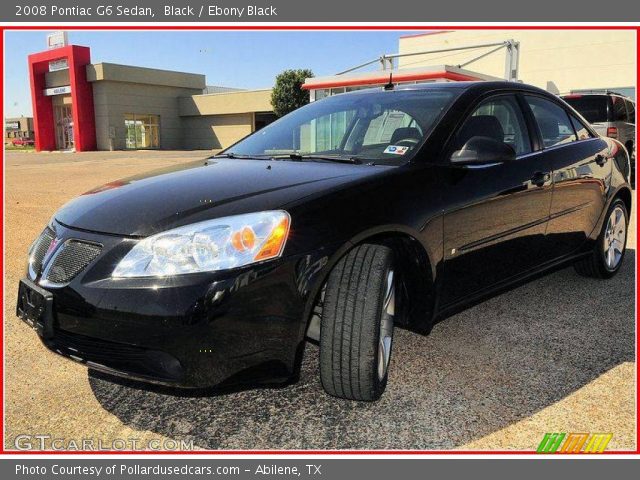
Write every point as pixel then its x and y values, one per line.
pixel 390 85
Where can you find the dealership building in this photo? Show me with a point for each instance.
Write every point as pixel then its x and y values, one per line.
pixel 18 128
pixel 82 105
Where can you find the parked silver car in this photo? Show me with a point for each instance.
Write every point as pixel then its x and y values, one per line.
pixel 611 115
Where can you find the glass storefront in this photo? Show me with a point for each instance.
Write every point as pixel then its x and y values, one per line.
pixel 63 126
pixel 142 131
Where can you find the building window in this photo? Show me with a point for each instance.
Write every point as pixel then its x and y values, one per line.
pixel 360 87
pixel 142 131
pixel 320 93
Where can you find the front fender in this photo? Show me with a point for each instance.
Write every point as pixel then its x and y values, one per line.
pixel 314 268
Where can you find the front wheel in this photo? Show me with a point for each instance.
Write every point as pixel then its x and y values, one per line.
pixel 356 332
pixel 608 252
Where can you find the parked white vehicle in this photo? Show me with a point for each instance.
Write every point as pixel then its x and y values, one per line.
pixel 611 115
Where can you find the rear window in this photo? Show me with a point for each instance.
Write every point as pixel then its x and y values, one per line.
pixel 592 107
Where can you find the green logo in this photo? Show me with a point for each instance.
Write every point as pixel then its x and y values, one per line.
pixel 574 442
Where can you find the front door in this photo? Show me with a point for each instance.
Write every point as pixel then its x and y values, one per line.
pixel 64 127
pixel 497 230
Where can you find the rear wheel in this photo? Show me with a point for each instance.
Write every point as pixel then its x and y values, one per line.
pixel 356 333
pixel 608 253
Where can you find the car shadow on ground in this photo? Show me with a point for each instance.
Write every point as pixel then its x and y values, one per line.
pixel 478 372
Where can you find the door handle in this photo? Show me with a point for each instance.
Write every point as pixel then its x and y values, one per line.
pixel 601 160
pixel 540 178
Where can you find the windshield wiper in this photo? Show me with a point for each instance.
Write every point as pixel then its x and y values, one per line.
pixel 232 155
pixel 297 157
pixel 330 158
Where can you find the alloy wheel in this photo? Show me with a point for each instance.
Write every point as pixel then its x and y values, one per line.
pixel 614 238
pixel 386 325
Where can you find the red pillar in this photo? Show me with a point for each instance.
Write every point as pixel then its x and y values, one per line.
pixel 84 130
pixel 42 108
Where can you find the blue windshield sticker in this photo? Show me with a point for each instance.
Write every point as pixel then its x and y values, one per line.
pixel 396 150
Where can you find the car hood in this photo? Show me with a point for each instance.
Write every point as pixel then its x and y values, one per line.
pixel 169 198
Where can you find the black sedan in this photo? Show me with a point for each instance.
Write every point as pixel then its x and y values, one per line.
pixel 340 221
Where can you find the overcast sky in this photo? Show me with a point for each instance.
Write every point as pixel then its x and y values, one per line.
pixel 232 59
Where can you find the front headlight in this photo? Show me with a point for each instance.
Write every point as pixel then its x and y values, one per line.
pixel 208 246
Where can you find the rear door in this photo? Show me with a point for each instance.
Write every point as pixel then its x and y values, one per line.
pixel 581 173
pixel 496 230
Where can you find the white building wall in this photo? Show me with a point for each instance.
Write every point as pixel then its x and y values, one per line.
pixel 557 60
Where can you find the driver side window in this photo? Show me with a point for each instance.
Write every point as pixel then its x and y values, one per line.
pixel 499 118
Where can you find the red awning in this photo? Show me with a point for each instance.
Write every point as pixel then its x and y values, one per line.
pixel 381 78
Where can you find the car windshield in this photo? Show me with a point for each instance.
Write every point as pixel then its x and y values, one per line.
pixel 592 107
pixel 381 127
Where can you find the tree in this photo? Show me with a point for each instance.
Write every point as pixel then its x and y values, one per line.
pixel 287 94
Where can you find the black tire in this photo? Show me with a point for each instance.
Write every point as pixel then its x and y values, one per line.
pixel 595 265
pixel 355 301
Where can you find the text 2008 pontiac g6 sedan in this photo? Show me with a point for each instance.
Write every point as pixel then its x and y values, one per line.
pixel 340 221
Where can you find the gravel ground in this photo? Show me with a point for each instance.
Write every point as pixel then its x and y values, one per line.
pixel 555 355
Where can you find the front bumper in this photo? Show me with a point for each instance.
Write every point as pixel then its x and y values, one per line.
pixel 195 330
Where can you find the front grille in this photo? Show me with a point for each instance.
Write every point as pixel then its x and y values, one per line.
pixel 71 258
pixel 39 250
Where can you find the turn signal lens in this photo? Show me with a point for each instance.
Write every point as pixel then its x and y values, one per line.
pixel 272 247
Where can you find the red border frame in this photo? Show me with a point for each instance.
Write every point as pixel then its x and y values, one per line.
pixel 297 28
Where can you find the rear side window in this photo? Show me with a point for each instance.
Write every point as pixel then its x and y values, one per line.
pixel 582 131
pixel 619 109
pixel 553 122
pixel 592 107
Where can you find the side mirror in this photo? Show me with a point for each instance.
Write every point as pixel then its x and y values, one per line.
pixel 483 151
